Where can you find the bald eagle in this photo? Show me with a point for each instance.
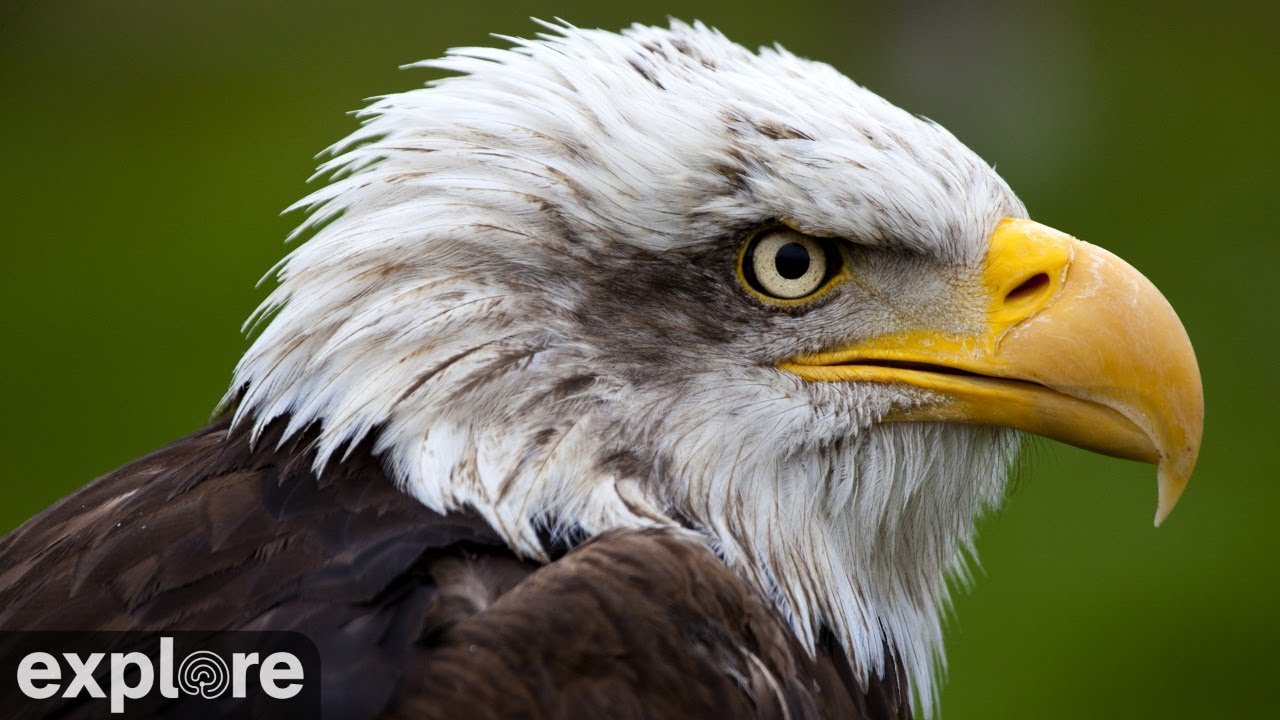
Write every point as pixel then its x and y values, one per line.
pixel 626 375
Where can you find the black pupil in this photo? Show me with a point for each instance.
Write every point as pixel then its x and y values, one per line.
pixel 792 261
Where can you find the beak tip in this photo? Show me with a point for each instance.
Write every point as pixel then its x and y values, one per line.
pixel 1171 484
pixel 1161 514
pixel 1163 508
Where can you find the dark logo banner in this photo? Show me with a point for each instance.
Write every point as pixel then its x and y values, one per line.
pixel 175 675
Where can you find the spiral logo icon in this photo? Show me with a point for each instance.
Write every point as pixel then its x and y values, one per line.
pixel 203 673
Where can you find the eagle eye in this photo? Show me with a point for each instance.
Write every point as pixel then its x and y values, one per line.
pixel 782 265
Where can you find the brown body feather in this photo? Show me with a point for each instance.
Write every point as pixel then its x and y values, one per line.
pixel 416 615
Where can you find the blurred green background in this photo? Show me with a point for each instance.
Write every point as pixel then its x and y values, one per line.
pixel 149 146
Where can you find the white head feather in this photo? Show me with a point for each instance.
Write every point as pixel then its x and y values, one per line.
pixel 515 285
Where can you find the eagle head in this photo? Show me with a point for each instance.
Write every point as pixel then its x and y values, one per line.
pixel 604 280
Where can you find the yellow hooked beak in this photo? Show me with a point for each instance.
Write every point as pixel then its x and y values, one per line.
pixel 1077 346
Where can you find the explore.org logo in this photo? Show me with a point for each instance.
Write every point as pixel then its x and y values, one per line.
pixel 144 675
pixel 203 673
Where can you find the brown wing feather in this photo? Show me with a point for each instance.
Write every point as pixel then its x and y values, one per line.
pixel 415 614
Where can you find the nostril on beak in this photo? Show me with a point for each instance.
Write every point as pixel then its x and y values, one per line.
pixel 1030 289
pixel 1025 269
